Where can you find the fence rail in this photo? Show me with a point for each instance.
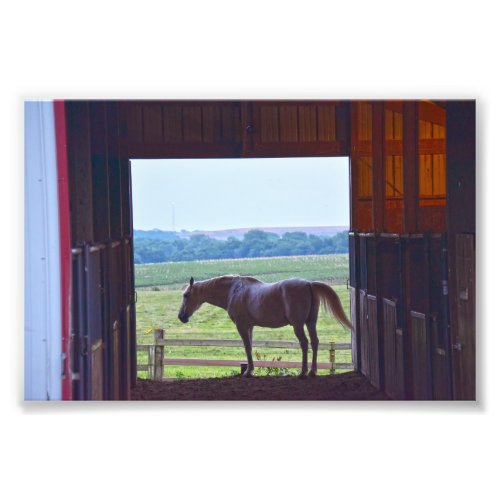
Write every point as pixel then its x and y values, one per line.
pixel 157 361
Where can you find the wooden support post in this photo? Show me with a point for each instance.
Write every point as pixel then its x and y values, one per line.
pixel 410 166
pixel 332 357
pixel 151 362
pixel 378 177
pixel 158 355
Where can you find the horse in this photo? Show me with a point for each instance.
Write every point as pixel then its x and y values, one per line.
pixel 250 302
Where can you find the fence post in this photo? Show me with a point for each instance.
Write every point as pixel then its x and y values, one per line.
pixel 332 357
pixel 151 362
pixel 158 355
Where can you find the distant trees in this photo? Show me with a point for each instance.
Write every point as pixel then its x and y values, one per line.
pixel 255 243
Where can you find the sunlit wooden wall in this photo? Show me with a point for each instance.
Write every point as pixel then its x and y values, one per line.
pixel 383 156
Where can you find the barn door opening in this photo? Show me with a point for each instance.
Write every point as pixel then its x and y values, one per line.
pixel 272 218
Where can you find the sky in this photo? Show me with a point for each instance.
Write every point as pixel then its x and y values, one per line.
pixel 213 194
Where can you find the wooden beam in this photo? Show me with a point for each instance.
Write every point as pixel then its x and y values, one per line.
pixel 279 344
pixel 410 166
pixel 378 177
pixel 258 364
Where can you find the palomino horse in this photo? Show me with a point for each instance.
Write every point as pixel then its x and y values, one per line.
pixel 250 302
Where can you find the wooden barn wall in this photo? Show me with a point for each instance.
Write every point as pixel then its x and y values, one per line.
pixel 398 208
pixel 401 251
pixel 219 129
pixel 101 227
pixel 390 288
pixel 461 220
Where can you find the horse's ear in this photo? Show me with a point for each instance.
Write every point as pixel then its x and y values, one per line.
pixel 191 281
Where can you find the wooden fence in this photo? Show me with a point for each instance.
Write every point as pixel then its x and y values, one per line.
pixel 157 361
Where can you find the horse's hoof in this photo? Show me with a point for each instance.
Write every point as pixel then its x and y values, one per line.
pixel 302 376
pixel 311 374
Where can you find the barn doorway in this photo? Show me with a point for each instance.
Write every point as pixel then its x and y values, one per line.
pixel 271 218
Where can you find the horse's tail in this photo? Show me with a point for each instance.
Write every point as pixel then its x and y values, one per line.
pixel 331 302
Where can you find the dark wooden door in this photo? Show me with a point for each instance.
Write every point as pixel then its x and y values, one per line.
pixel 464 344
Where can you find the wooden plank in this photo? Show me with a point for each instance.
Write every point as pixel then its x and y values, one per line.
pixel 133 119
pixel 172 123
pixel 152 122
pixel 390 358
pixel 378 166
pixel 280 344
pixel 308 123
pixel 288 123
pixel 211 123
pixel 425 175
pixel 191 123
pixel 464 343
pixel 398 126
pixel 410 166
pixel 439 174
pixel 326 122
pixel 259 364
pixel 373 340
pixel 420 349
pixel 389 124
pixel 269 123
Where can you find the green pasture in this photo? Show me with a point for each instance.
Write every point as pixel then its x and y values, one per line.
pixel 159 304
pixel 328 268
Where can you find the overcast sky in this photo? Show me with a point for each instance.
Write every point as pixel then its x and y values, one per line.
pixel 231 193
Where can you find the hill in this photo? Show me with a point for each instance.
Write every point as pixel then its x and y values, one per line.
pixel 224 234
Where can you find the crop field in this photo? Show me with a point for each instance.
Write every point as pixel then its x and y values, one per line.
pixel 159 300
pixel 172 275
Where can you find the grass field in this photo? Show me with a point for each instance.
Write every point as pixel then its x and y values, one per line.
pixel 328 268
pixel 159 307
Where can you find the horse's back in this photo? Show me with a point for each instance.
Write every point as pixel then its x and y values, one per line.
pixel 286 302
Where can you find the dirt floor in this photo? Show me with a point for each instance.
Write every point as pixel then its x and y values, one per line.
pixel 350 386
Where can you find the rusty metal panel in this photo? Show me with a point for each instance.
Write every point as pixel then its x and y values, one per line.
pixel 421 364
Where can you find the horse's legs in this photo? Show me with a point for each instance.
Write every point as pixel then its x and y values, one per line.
pixel 313 334
pixel 246 336
pixel 301 335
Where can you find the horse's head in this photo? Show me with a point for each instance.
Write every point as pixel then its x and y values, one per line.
pixel 190 301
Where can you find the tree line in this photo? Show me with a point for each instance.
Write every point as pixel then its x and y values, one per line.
pixel 255 243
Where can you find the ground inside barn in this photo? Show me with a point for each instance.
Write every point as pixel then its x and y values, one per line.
pixel 350 386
